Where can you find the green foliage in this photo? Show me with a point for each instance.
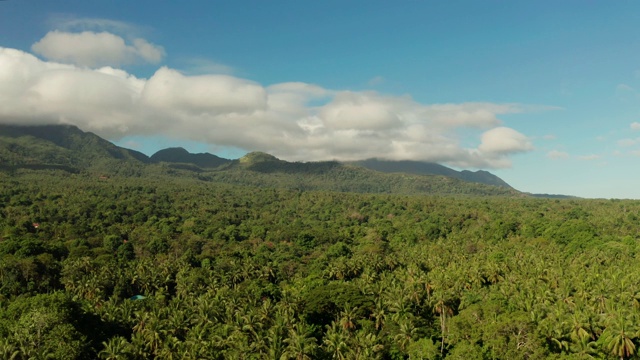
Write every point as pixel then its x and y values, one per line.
pixel 232 272
pixel 50 326
pixel 324 302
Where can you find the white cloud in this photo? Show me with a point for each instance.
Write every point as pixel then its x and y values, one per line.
pixel 503 140
pixel 624 88
pixel 294 121
pixel 364 111
pixel 78 24
pixel 203 94
pixel 477 115
pixel 96 49
pixel 40 92
pixel 556 154
pixel 590 157
pixel 628 142
pixel 375 81
pixel 635 125
pixel 549 137
pixel 201 66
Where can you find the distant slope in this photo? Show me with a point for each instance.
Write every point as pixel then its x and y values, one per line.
pixel 553 196
pixel 266 163
pixel 264 170
pixel 427 168
pixel 63 147
pixel 70 149
pixel 180 155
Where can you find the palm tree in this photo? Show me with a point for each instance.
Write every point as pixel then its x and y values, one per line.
pixel 579 328
pixel 584 348
pixel 348 318
pixel 300 344
pixel 8 350
pixel 406 333
pixel 379 314
pixel 171 349
pixel 275 339
pixel 117 348
pixel 616 337
pixel 335 342
pixel 443 309
pixel 366 346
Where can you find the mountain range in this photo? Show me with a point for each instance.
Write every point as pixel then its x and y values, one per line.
pixel 68 148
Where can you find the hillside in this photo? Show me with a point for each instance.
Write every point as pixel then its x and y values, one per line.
pixel 180 155
pixel 264 170
pixel 70 149
pixel 427 168
pixel 63 147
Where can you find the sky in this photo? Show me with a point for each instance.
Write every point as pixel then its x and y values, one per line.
pixel 544 94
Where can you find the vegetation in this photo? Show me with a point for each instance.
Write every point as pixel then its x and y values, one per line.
pixel 67 148
pixel 247 272
pixel 426 168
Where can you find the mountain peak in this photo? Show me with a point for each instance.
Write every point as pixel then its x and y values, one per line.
pixel 257 157
pixel 181 155
pixel 60 145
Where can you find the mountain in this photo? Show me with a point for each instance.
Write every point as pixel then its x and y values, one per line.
pixel 180 155
pixel 428 168
pixel 64 147
pixel 68 148
pixel 266 163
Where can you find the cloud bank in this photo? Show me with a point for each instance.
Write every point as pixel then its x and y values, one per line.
pixel 294 121
pixel 94 49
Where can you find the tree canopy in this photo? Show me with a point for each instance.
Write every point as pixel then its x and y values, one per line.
pixel 244 272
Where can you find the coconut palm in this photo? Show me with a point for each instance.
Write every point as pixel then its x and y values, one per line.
pixel 117 348
pixel 617 338
pixel 335 341
pixel 300 344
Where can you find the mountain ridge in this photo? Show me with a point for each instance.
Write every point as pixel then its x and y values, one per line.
pixel 64 146
pixel 68 148
pixel 429 168
pixel 181 155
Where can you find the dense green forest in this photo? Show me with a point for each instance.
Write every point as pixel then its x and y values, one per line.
pixel 180 268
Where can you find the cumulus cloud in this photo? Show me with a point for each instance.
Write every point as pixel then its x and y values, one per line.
pixel 635 126
pixel 624 88
pixel 555 154
pixel 375 81
pixel 628 142
pixel 79 24
pixel 95 49
pixel 201 66
pixel 590 157
pixel 364 111
pixel 503 140
pixel 204 94
pixel 294 120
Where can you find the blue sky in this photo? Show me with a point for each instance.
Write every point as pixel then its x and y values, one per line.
pixel 542 93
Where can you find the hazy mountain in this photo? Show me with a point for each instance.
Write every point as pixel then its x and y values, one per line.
pixel 428 168
pixel 71 149
pixel 180 155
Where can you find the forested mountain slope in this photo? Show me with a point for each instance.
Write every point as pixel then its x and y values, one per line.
pixel 264 170
pixel 427 168
pixel 63 147
pixel 69 148
pixel 180 155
